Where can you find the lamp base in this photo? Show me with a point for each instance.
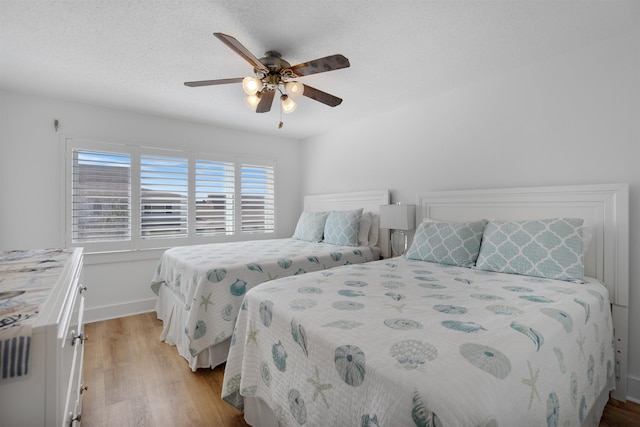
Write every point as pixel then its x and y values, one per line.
pixel 398 242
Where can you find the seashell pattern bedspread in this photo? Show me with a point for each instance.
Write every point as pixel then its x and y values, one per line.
pixel 213 278
pixel 403 342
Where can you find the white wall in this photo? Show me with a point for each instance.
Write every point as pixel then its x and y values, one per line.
pixel 32 174
pixel 573 119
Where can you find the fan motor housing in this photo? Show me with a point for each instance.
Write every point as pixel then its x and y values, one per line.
pixel 274 62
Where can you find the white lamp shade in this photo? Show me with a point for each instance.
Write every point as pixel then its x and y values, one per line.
pixel 398 217
pixel 288 106
pixel 294 89
pixel 251 85
pixel 252 101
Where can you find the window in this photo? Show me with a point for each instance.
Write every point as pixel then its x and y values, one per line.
pixel 215 198
pixel 101 197
pixel 256 191
pixel 123 197
pixel 163 196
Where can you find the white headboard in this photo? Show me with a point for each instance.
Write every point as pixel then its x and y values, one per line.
pixel 605 210
pixel 370 201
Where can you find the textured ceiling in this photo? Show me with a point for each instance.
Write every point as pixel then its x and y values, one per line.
pixel 135 55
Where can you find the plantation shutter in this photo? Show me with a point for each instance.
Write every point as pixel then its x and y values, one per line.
pixel 101 196
pixel 215 198
pixel 257 198
pixel 124 197
pixel 163 197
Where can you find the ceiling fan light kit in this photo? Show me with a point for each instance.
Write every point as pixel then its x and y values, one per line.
pixel 252 101
pixel 288 106
pixel 251 85
pixel 272 73
pixel 294 89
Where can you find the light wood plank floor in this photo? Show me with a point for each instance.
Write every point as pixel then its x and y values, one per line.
pixel 134 379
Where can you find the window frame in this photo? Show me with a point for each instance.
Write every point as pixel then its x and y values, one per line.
pixel 136 241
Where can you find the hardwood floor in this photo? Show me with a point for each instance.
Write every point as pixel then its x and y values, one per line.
pixel 619 414
pixel 134 379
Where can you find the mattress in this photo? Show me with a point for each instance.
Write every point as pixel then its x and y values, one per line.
pixel 200 287
pixel 404 342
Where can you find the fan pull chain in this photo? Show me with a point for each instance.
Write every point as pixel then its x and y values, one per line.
pixel 281 122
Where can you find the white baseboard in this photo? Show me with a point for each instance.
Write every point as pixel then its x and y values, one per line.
pixel 633 389
pixel 107 312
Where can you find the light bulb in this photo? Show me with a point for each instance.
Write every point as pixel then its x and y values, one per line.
pixel 251 85
pixel 294 89
pixel 252 101
pixel 288 106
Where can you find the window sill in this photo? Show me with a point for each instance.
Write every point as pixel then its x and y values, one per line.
pixel 94 258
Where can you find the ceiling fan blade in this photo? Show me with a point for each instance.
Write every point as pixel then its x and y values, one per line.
pixel 213 82
pixel 266 99
pixel 320 96
pixel 238 48
pixel 321 65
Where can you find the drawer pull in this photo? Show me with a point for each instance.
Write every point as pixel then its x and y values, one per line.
pixel 81 336
pixel 83 389
pixel 75 419
pixel 82 288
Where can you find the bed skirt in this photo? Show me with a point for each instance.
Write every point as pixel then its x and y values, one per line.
pixel 258 414
pixel 170 309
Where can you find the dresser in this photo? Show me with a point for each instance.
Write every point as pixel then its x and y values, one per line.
pixel 41 337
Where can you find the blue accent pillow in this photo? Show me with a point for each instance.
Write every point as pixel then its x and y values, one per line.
pixel 342 227
pixel 549 248
pixel 451 243
pixel 310 226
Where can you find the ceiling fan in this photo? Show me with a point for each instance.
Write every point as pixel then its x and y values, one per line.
pixel 272 73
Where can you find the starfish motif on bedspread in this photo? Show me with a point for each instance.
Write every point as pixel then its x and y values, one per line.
pixel 274 277
pixel 205 301
pixel 252 334
pixel 531 382
pixel 580 340
pixel 319 387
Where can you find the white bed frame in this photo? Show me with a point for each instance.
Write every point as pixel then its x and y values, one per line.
pixel 370 201
pixel 169 306
pixel 605 210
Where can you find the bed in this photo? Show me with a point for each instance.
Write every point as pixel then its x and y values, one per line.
pixel 451 337
pixel 200 287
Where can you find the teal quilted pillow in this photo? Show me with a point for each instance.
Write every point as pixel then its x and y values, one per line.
pixel 447 242
pixel 310 226
pixel 342 227
pixel 549 248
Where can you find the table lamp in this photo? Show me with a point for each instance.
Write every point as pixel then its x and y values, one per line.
pixel 398 218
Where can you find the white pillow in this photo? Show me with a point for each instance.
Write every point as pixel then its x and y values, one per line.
pixel 365 227
pixel 587 235
pixel 375 229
